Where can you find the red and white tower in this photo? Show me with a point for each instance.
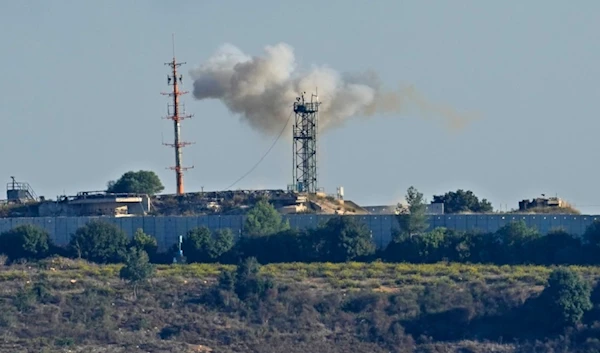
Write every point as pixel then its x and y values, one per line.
pixel 176 112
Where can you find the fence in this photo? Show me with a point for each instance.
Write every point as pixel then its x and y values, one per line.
pixel 166 229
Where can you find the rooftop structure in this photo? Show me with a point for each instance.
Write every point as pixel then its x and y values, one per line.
pixel 97 203
pixel 19 192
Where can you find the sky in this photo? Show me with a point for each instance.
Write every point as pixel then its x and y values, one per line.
pixel 80 98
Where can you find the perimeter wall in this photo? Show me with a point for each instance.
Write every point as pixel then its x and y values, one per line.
pixel 167 229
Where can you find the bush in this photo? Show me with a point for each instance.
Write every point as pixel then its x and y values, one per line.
pixel 564 301
pixel 199 244
pixel 249 284
pixel 99 241
pixel 343 239
pixel 263 219
pixel 146 242
pixel 26 242
pixel 137 268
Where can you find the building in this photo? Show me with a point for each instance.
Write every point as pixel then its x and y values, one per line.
pixel 430 209
pixel 543 202
pixel 97 203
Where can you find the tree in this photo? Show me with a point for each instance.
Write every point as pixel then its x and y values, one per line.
pixel 199 244
pixel 415 222
pixel 462 201
pixel 223 242
pixel 146 242
pixel 591 236
pixel 428 247
pixel 564 300
pixel 292 245
pixel 514 242
pixel 343 239
pixel 558 247
pixel 140 182
pixel 99 241
pixel 25 242
pixel 137 268
pixel 263 219
pixel 249 284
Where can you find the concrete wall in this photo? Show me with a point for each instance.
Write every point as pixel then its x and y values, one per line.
pixel 167 229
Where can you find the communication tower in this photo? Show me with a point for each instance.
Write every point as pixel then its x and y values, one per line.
pixel 305 144
pixel 176 112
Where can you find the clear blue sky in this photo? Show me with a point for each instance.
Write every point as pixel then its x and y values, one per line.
pixel 80 95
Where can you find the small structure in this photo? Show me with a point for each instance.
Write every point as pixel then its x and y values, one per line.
pixel 19 192
pixel 97 203
pixel 543 202
pixel 430 209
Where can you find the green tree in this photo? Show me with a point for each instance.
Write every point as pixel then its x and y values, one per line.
pixel 415 221
pixel 137 268
pixel 591 236
pixel 557 247
pixel 343 239
pixel 146 242
pixel 25 242
pixel 199 244
pixel 428 247
pixel 565 299
pixel 292 245
pixel 462 201
pixel 249 284
pixel 514 243
pixel 140 182
pixel 263 219
pixel 196 244
pixel 100 242
pixel 224 241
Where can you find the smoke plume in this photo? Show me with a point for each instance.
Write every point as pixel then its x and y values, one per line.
pixel 262 90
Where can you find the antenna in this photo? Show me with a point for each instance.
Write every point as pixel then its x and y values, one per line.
pixel 173 43
pixel 176 112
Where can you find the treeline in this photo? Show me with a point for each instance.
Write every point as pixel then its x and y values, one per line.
pixel 270 240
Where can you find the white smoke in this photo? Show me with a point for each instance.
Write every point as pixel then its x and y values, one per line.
pixel 263 89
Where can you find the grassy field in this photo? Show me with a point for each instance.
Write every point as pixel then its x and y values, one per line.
pixel 347 276
pixel 59 304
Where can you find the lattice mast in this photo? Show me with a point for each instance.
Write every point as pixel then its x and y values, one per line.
pixel 176 112
pixel 305 144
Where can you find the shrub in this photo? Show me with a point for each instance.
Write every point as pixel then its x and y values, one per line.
pixel 565 299
pixel 100 242
pixel 146 242
pixel 25 242
pixel 199 244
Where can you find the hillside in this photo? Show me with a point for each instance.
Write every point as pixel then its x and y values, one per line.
pixel 62 304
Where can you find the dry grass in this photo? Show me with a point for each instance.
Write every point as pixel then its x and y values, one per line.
pixel 380 276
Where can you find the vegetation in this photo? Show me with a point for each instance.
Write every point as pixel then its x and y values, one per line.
pixel 100 242
pixel 26 242
pixel 263 219
pixel 327 289
pixel 145 242
pixel 201 245
pixel 319 307
pixel 461 201
pixel 140 182
pixel 415 221
pixel 137 268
